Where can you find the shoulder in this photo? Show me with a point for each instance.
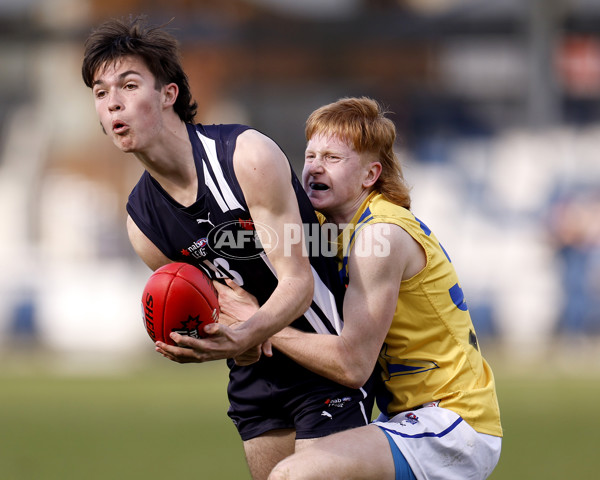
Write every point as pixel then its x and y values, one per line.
pixel 141 194
pixel 252 143
pixel 389 247
pixel 143 180
pixel 379 206
pixel 258 155
pixel 224 137
pixel 380 210
pixel 220 131
pixel 377 256
pixel 382 239
pixel 380 218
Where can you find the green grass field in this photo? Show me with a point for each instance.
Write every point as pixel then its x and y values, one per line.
pixel 170 422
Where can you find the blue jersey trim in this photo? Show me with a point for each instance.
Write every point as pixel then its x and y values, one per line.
pixel 425 228
pixel 362 221
pixel 426 434
pixel 399 369
pixel 458 297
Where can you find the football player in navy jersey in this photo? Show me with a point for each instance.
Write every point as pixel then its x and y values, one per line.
pixel 201 181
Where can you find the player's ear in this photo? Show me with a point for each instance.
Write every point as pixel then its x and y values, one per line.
pixel 373 172
pixel 170 93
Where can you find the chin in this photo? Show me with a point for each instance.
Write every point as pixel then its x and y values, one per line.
pixel 318 204
pixel 125 147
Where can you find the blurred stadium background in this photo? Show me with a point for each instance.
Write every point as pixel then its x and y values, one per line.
pixel 498 107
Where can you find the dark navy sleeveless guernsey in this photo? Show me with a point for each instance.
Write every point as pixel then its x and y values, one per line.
pixel 217 234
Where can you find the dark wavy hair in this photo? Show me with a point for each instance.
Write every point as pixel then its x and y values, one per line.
pixel 159 50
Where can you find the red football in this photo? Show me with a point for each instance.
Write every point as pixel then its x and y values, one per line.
pixel 178 297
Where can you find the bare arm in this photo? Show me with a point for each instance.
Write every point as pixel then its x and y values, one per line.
pixel 145 249
pixel 369 305
pixel 264 174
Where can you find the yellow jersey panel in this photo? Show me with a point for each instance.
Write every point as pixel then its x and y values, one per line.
pixel 431 353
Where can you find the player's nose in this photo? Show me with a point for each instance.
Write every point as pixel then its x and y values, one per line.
pixel 315 165
pixel 114 102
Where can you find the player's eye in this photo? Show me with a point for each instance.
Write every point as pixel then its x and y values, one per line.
pixel 130 86
pixel 100 93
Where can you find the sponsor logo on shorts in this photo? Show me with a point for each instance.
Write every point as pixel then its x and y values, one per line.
pixel 411 418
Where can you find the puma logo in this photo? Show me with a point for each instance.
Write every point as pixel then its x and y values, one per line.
pixel 205 220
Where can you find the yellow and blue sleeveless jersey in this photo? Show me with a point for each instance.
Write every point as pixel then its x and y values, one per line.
pixel 431 351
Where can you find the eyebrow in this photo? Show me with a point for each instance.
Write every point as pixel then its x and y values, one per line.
pixel 121 76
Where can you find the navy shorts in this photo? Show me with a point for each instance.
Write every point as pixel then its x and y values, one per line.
pixel 277 393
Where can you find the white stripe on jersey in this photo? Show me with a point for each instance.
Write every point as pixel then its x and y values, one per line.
pixel 316 322
pixel 325 300
pixel 323 297
pixel 229 202
pixel 362 406
pixel 213 189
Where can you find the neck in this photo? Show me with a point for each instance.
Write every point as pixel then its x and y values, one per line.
pixel 344 215
pixel 170 161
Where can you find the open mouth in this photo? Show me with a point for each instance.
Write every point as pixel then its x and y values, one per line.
pixel 318 186
pixel 119 127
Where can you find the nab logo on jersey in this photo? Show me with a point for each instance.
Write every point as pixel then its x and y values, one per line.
pixel 196 249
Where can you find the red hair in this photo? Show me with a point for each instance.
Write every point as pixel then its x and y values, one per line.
pixel 362 123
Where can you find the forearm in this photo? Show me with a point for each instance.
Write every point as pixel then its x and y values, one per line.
pixel 289 301
pixel 263 173
pixel 327 355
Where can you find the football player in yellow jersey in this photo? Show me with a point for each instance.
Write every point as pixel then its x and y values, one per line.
pixel 404 313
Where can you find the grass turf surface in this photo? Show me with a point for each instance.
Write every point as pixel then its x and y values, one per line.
pixel 150 425
pixel 171 421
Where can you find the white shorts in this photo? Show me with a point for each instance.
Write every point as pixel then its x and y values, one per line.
pixel 439 445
